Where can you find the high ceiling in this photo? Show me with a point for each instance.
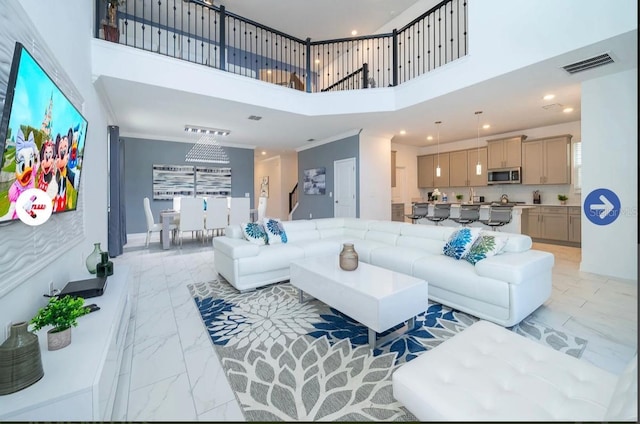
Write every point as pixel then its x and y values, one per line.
pixel 512 102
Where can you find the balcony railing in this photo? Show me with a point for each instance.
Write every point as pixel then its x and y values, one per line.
pixel 208 35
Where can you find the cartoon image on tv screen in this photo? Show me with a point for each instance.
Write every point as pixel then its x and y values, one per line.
pixel 44 141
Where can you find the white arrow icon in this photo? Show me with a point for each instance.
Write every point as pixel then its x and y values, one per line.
pixel 605 207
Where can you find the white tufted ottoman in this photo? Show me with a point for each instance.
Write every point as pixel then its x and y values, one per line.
pixel 488 373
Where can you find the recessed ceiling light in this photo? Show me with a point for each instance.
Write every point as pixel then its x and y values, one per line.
pixel 402 132
pixel 486 126
pixel 567 110
pixel 354 32
pixel 549 96
pixel 264 153
pixel 429 137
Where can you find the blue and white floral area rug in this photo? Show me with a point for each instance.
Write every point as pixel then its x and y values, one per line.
pixel 287 360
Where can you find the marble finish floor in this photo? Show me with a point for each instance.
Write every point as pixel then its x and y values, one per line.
pixel 170 371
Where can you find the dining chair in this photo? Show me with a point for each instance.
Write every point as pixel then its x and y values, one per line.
pixel 217 215
pixel 191 217
pixel 176 204
pixel 152 227
pixel 239 210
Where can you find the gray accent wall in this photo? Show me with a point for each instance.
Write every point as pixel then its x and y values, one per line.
pixel 321 206
pixel 141 154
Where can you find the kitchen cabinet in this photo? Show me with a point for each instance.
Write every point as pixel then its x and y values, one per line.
pixel 427 171
pixel 393 168
pixel 547 222
pixel 462 168
pixel 555 224
pixel 547 160
pixel 397 212
pixel 505 152
pixel 575 224
pixel 531 222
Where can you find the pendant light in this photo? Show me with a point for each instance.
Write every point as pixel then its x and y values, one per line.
pixel 478 165
pixel 438 167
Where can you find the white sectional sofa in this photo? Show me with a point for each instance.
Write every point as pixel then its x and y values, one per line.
pixel 503 289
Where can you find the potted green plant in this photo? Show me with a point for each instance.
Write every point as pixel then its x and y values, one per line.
pixel 459 197
pixel 62 314
pixel 563 199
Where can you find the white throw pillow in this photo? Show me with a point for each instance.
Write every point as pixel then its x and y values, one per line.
pixel 254 233
pixel 460 242
pixel 275 231
pixel 485 246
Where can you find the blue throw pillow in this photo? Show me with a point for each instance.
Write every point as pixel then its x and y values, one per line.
pixel 254 233
pixel 275 231
pixel 460 242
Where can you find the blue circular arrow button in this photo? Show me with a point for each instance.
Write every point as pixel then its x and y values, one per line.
pixel 602 206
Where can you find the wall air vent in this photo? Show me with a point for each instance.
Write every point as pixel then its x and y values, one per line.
pixel 592 62
pixel 255 118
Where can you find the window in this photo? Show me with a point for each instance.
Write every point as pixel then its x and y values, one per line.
pixel 576 151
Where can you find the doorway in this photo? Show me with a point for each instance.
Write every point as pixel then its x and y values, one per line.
pixel 344 188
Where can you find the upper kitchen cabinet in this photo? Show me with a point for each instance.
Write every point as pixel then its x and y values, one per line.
pixel 462 168
pixel 547 160
pixel 505 152
pixel 426 171
pixel 427 165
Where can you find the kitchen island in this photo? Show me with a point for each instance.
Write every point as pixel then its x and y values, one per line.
pixel 515 226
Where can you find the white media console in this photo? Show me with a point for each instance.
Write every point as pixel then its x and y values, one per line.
pixel 80 380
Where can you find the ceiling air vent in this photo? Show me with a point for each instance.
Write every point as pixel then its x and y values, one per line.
pixel 592 62
pixel 255 118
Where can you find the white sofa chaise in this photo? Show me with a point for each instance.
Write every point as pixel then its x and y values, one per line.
pixel 487 373
pixel 503 288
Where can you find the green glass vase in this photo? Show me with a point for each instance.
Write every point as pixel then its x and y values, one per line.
pixel 93 259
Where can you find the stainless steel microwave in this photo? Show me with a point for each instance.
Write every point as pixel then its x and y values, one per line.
pixel 504 176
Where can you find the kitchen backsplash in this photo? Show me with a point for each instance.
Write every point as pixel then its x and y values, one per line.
pixel 516 193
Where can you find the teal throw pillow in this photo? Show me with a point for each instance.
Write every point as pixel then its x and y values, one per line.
pixel 460 242
pixel 254 233
pixel 484 247
pixel 275 231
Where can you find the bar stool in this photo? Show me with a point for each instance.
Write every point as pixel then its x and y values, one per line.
pixel 419 211
pixel 468 214
pixel 441 212
pixel 498 217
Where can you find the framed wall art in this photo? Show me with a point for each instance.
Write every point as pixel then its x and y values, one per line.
pixel 171 181
pixel 314 181
pixel 264 187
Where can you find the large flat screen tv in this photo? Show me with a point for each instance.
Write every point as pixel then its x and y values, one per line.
pixel 43 137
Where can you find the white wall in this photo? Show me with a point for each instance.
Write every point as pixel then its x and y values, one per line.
pixel 375 177
pixel 610 158
pixel 67 31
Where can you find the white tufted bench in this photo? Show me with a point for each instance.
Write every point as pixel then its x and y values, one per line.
pixel 488 373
